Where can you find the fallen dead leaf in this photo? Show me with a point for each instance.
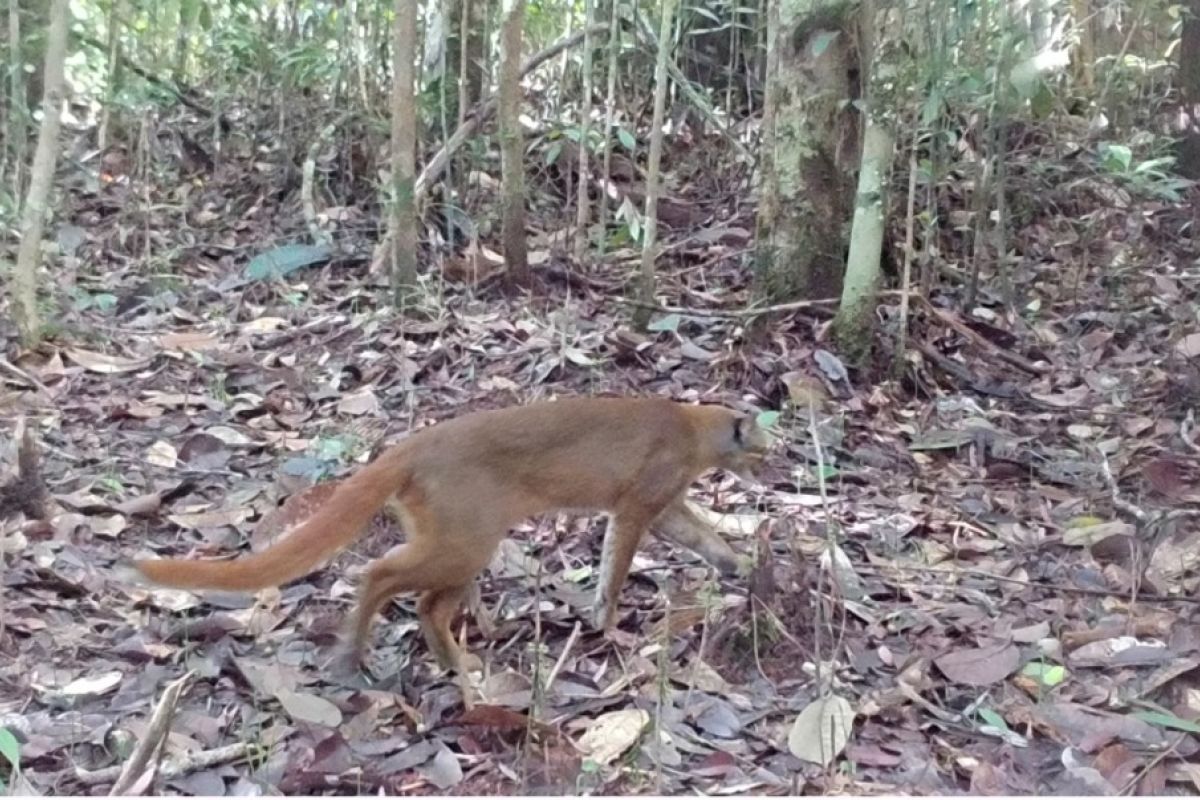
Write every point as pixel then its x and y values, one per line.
pixel 105 364
pixel 612 734
pixel 1188 346
pixel 304 707
pixel 822 729
pixel 162 454
pixel 188 341
pixel 211 519
pixel 980 666
pixel 358 403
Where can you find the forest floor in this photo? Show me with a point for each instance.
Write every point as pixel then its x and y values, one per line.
pixel 1011 603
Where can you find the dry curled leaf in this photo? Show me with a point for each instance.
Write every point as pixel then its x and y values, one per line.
pixel 612 734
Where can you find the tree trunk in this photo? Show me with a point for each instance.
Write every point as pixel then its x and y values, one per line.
pixel 853 326
pixel 610 102
pixel 812 149
pixel 18 110
pixel 113 76
pixel 582 209
pixel 1189 90
pixel 512 143
pixel 404 145
pixel 1083 56
pixel 35 20
pixel 41 177
pixel 472 44
pixel 650 242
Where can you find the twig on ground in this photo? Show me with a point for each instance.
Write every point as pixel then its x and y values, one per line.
pixel 1118 501
pixel 17 372
pixel 142 765
pixel 562 658
pixel 1020 362
pixel 174 767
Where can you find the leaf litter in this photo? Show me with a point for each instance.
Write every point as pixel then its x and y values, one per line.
pixel 975 578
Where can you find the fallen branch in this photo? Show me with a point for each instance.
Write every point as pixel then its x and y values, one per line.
pixel 562 658
pixel 1017 361
pixel 1119 502
pixel 746 313
pixel 17 372
pixel 139 770
pixel 173 767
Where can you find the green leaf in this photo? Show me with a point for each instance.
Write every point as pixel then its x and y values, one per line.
pixel 932 108
pixel 285 260
pixel 553 152
pixel 1026 78
pixel 1115 157
pixel 1045 674
pixel 767 419
pixel 1164 720
pixel 626 139
pixel 306 467
pixel 668 323
pixel 1042 102
pixel 10 748
pixel 990 717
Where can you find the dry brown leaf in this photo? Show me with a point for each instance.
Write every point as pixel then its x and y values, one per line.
pixel 188 341
pixel 612 734
pixel 1188 346
pixel 105 364
pixel 211 519
pixel 980 666
pixel 305 707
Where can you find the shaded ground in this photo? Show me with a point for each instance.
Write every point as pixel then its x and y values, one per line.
pixel 997 506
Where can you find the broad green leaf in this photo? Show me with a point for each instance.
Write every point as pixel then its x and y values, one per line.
pixel 10 748
pixel 1115 157
pixel 626 139
pixel 285 260
pixel 767 419
pixel 1026 78
pixel 1164 720
pixel 1045 674
pixel 668 323
pixel 992 718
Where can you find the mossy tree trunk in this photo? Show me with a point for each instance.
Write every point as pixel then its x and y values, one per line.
pixel 854 326
pixel 812 150
pixel 41 176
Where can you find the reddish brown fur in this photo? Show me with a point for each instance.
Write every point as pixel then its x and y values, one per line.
pixel 460 485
